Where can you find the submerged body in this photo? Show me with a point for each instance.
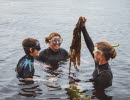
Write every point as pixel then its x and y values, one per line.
pixel 54 54
pixel 102 75
pixel 25 67
pixel 51 57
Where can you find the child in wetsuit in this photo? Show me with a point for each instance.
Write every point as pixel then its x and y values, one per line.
pixel 25 67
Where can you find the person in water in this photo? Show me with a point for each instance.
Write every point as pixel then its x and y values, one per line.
pixel 25 67
pixel 102 52
pixel 54 54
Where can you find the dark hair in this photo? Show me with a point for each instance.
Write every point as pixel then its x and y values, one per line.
pixel 47 39
pixel 107 49
pixel 29 43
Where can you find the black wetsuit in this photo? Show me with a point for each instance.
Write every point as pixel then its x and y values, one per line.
pixel 102 75
pixel 51 57
pixel 25 67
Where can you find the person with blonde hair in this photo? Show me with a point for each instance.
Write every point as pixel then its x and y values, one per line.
pixel 54 54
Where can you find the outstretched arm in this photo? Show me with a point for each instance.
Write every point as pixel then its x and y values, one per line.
pixel 42 65
pixel 88 41
pixel 49 80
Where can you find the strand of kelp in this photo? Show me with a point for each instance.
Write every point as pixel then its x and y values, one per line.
pixel 75 47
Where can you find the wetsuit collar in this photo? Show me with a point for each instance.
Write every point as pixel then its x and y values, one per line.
pixel 30 57
pixel 54 51
pixel 103 66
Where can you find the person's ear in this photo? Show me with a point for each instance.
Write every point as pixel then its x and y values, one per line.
pixel 103 57
pixel 30 50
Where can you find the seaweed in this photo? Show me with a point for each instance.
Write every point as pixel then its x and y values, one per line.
pixel 75 47
pixel 75 93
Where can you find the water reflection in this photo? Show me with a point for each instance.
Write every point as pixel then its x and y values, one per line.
pixel 55 91
pixel 55 69
pixel 29 89
pixel 72 78
pixel 75 93
pixel 101 95
pixel 54 72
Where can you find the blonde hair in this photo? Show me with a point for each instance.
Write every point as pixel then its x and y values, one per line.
pixel 107 49
pixel 47 39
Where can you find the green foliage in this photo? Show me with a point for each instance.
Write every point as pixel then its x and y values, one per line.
pixel 75 93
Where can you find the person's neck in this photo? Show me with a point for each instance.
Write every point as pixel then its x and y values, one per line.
pixel 102 62
pixel 30 57
pixel 55 50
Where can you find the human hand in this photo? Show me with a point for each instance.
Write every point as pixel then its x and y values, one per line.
pixel 48 66
pixel 83 20
pixel 49 80
pixel 52 79
pixel 45 65
pixel 39 80
pixel 75 83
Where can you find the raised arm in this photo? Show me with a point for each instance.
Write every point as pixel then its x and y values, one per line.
pixel 88 41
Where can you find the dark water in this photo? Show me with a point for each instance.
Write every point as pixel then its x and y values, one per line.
pixel 107 20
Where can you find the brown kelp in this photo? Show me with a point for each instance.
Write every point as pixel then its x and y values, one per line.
pixel 76 43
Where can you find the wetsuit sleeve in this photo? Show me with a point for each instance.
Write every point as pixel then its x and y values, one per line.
pixel 103 81
pixel 88 41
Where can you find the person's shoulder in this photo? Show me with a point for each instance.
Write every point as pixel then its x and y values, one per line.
pixel 106 74
pixel 21 61
pixel 44 51
pixel 26 63
pixel 64 52
pixel 62 49
pixel 22 58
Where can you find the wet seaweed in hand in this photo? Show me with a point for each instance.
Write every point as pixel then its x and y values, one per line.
pixel 76 43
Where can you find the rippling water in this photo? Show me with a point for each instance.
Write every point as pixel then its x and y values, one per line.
pixel 107 20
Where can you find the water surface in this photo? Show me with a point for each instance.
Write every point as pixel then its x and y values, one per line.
pixel 107 20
